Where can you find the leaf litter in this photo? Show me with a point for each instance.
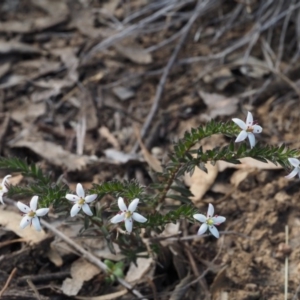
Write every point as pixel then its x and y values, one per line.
pixel 62 62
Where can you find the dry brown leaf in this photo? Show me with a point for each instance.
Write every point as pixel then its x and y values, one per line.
pixel 240 175
pixel 55 154
pixel 200 182
pixel 153 162
pixel 248 162
pixel 219 105
pixel 4 68
pixel 12 80
pixel 81 271
pixel 123 93
pixel 54 256
pixel 10 47
pixel 52 7
pixel 28 112
pixel 120 157
pixel 14 180
pixel 11 221
pixel 252 67
pixel 137 273
pixel 104 132
pixel 134 53
pixel 110 6
pixel 220 281
pixel 170 230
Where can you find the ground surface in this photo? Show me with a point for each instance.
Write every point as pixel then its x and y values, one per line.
pixel 76 80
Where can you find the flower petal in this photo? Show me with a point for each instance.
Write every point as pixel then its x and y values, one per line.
pixel 75 209
pixel 73 198
pixel 133 205
pixel 199 217
pixel 139 218
pixel 214 231
pixel 33 203
pixel 292 174
pixel 128 224
pixel 210 211
pixel 90 198
pixel 25 222
pixel 121 204
pixel 118 218
pixel 240 123
pixel 294 162
pixel 23 208
pixel 218 219
pixel 86 209
pixel 202 229
pixel 36 224
pixel 42 212
pixel 249 120
pixel 4 182
pixel 251 138
pixel 1 198
pixel 80 190
pixel 257 129
pixel 242 135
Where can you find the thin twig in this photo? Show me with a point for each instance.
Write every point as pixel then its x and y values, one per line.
pixel 32 286
pixel 90 257
pixel 9 279
pixel 201 8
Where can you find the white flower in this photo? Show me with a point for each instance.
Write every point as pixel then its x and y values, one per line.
pixel 248 129
pixel 81 201
pixel 296 164
pixel 31 213
pixel 3 188
pixel 209 221
pixel 128 215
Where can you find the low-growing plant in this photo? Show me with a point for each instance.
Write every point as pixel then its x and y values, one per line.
pixel 140 207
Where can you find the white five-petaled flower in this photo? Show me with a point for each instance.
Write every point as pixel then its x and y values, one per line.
pixel 248 129
pixel 209 221
pixel 296 164
pixel 128 214
pixel 31 213
pixel 81 201
pixel 3 188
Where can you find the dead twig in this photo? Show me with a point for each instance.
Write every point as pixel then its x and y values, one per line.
pixel 32 286
pixel 90 257
pixel 9 279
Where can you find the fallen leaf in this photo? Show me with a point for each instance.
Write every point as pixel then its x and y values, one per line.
pixel 240 175
pixel 200 182
pixel 105 133
pixel 119 156
pixel 248 162
pixel 219 105
pixel 142 267
pixel 134 53
pixel 55 154
pixel 28 112
pixel 123 93
pixel 11 221
pixel 252 67
pixel 54 256
pixel 11 47
pixel 81 271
